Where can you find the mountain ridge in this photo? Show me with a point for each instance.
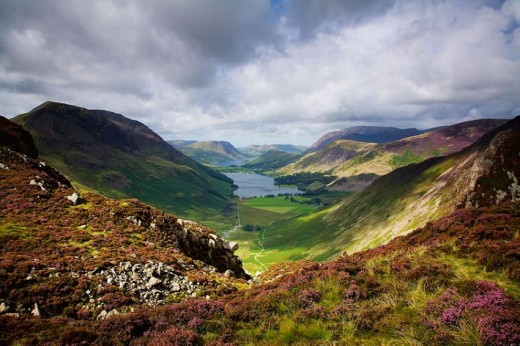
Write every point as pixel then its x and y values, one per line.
pixel 120 157
pixel 356 158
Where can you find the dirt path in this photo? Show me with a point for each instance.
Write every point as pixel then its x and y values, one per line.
pixel 255 257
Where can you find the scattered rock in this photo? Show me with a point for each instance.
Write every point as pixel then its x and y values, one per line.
pixel 112 313
pixel 233 246
pixel 36 312
pixel 102 315
pixel 3 308
pixel 228 273
pixel 73 198
pixel 153 282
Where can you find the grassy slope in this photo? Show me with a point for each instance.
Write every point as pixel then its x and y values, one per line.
pixel 327 158
pixel 151 170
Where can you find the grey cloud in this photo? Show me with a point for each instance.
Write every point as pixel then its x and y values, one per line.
pixel 227 69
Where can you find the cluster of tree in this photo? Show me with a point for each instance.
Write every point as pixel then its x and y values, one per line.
pixel 312 201
pixel 303 180
pixel 251 228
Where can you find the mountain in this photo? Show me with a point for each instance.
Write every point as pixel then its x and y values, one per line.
pixel 370 134
pixel 484 173
pixel 84 256
pixel 180 143
pixel 16 138
pixel 120 158
pixel 212 152
pixel 347 159
pixel 271 160
pixel 257 150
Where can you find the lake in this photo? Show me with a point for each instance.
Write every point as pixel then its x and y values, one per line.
pixel 256 185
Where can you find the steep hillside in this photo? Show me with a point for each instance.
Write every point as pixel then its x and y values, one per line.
pixel 370 134
pixel 257 150
pixel 271 160
pixel 86 256
pixel 121 158
pixel 212 152
pixel 454 282
pixel 407 198
pixel 352 159
pixel 328 157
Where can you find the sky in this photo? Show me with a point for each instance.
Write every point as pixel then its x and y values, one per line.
pixel 259 71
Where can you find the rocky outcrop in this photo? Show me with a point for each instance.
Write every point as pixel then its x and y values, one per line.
pixel 16 138
pixel 196 241
pixel 497 168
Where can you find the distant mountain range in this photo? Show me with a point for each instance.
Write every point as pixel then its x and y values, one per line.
pixel 120 158
pixel 370 134
pixel 210 152
pixel 483 174
pixel 257 150
pixel 346 159
pixel 271 160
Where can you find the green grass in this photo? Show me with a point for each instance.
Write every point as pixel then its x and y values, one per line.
pixel 280 205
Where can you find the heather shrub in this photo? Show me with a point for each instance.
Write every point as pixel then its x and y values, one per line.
pixel 77 336
pixel 123 329
pixel 310 296
pixel 313 312
pixel 367 315
pixel 497 317
pixel 175 336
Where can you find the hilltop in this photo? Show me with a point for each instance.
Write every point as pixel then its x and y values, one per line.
pixel 370 134
pixel 271 160
pixel 121 158
pixel 257 150
pixel 212 152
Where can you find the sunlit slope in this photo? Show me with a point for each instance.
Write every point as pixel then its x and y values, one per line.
pixel 345 158
pixel 404 199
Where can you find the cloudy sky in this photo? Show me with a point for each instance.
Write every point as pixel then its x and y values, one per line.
pixel 260 71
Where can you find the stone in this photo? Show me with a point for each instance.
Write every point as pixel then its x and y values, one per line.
pixel 153 282
pixel 33 182
pixel 36 312
pixel 3 308
pixel 135 276
pixel 228 273
pixel 102 315
pixel 233 246
pixel 112 313
pixel 73 198
pixel 175 287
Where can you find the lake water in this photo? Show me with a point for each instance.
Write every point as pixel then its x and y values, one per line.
pixel 256 185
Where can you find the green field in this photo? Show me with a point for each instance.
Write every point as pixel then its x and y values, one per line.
pixel 265 213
